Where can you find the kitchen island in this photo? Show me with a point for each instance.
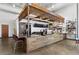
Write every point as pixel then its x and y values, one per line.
pixel 38 41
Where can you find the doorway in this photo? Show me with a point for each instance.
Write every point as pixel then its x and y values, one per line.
pixel 5 31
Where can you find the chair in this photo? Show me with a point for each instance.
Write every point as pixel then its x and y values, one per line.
pixel 24 43
pixel 18 45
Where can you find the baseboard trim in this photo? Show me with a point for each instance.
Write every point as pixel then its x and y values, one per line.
pixel 8 37
pixel 72 39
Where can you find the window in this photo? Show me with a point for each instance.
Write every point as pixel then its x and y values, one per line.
pixel 40 25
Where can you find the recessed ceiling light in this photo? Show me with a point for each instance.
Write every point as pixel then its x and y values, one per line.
pixel 53 6
pixel 14 5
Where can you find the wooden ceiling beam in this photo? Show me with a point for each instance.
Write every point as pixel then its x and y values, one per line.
pixel 37 17
pixel 40 12
pixel 35 5
pixel 23 13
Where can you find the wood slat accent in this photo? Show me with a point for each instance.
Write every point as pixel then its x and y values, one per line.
pixel 23 13
pixel 35 5
pixel 41 12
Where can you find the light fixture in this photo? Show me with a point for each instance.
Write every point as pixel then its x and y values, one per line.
pixel 50 8
pixel 14 5
pixel 53 6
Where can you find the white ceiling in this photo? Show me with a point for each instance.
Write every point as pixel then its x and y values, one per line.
pixel 11 10
pixel 17 7
pixel 54 6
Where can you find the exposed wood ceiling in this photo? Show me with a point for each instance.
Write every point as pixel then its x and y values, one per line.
pixel 41 12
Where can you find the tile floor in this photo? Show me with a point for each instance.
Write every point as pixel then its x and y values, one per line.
pixel 59 48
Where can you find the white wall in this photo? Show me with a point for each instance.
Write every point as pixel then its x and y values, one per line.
pixel 77 31
pixel 7 18
pixel 69 13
